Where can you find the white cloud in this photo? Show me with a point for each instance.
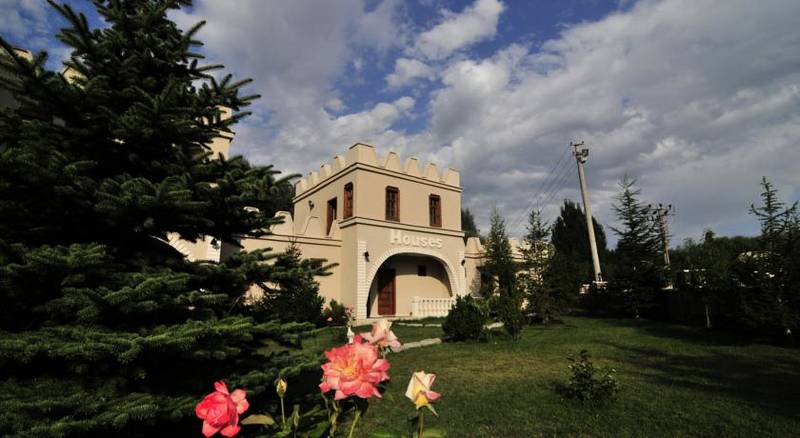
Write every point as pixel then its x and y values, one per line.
pixel 696 99
pixel 407 70
pixel 296 51
pixel 23 18
pixel 459 30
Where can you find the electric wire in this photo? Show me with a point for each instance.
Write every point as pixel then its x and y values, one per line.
pixel 547 185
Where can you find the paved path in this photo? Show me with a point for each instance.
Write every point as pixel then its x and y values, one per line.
pixel 434 341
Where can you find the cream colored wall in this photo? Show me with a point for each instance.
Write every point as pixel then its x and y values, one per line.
pixel 319 198
pixel 370 177
pixel 408 284
pixel 330 286
pixel 370 194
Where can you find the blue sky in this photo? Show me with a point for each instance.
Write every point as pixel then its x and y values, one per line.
pixel 695 99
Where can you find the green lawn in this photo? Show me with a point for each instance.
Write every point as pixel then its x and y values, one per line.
pixel 674 381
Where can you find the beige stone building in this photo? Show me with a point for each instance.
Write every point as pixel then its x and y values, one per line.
pixel 393 227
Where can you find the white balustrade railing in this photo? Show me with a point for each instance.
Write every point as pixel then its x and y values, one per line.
pixel 422 307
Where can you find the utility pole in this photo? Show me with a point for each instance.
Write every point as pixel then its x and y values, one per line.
pixel 660 215
pixel 580 157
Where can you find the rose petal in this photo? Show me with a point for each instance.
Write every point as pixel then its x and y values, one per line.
pixel 231 430
pixel 238 395
pixel 221 387
pixel 208 429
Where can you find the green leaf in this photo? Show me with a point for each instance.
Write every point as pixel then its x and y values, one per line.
pixel 434 432
pixel 265 420
pixel 383 434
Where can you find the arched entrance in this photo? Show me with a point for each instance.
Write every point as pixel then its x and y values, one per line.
pixel 399 277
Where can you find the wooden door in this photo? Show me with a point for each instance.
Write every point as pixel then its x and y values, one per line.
pixel 386 292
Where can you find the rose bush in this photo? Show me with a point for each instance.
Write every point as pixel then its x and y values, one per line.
pixel 220 410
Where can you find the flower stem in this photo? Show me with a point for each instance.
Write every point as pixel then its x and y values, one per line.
pixel 421 421
pixel 283 413
pixel 355 421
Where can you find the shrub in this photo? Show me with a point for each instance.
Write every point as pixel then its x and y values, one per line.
pixel 465 321
pixel 586 385
pixel 509 310
pixel 337 314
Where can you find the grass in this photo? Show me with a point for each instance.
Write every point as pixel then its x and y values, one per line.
pixel 674 381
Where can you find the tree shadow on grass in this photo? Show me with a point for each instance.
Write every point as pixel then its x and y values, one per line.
pixel 770 382
pixel 694 335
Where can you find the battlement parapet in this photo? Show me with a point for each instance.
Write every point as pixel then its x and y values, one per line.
pixel 366 154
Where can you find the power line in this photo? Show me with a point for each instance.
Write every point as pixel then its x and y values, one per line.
pixel 558 187
pixel 557 167
pixel 547 193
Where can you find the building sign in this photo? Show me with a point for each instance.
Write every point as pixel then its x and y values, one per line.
pixel 397 237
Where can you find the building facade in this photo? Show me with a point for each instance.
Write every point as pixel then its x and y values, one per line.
pixel 393 228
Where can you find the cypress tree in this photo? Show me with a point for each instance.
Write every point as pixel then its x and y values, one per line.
pixel 106 329
pixel 570 235
pixel 468 224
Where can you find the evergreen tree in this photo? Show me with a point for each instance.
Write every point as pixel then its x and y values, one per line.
pixel 293 293
pixel 570 234
pixel 468 225
pixel 499 266
pixel 537 253
pixel 506 295
pixel 638 275
pixel 570 266
pixel 776 302
pixel 105 328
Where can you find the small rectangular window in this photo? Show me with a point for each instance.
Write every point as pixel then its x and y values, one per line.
pixel 392 204
pixel 348 201
pixel 331 215
pixel 422 270
pixel 435 210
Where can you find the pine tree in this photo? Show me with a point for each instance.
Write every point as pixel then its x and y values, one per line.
pixel 293 293
pixel 506 294
pixel 775 304
pixel 105 329
pixel 468 224
pixel 637 276
pixel 499 265
pixel 537 253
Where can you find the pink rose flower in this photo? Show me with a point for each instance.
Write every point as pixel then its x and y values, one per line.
pixel 220 410
pixel 381 335
pixel 419 389
pixel 353 369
